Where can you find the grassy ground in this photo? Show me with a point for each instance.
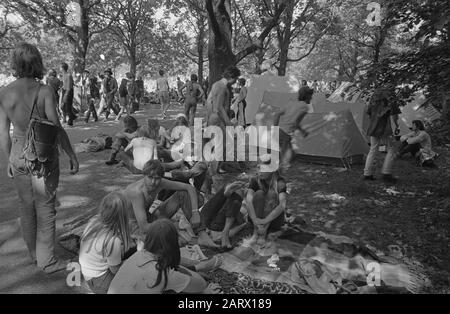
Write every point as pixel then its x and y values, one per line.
pixel 414 214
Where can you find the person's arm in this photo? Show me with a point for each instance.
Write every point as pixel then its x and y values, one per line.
pixel 417 139
pixel 5 139
pixel 277 117
pixel 249 204
pixel 130 146
pixel 179 186
pixel 63 138
pixel 202 92
pixel 155 151
pixel 115 259
pixel 277 210
pixel 140 212
pixel 407 136
pixel 196 282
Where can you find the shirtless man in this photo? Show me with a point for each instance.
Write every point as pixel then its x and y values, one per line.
pixel 219 98
pixel 37 195
pixel 144 192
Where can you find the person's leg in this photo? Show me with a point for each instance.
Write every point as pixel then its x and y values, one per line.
pixel 128 162
pixel 101 106
pixel 389 159
pixel 44 192
pixel 370 161
pixel 212 208
pixel 187 111
pixel 101 284
pixel 409 148
pixel 231 210
pixel 271 203
pixel 94 112
pixel 28 224
pixel 193 110
pixel 116 146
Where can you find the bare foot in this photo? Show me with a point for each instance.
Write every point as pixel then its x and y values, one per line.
pixel 205 240
pixel 210 264
pixel 226 244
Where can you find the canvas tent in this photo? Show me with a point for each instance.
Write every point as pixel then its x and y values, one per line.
pixel 334 138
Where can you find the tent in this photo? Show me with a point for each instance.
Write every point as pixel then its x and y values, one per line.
pixel 334 138
pixel 278 98
pixel 257 85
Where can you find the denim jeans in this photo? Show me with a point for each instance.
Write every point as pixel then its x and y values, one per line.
pixel 37 205
pixel 374 149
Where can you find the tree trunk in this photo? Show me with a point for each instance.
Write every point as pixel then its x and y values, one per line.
pixel 201 49
pixel 81 43
pixel 284 38
pixel 220 33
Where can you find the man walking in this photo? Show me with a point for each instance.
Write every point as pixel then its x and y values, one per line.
pixel 68 94
pixel 111 88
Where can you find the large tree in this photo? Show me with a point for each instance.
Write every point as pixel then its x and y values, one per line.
pixel 221 52
pixel 53 13
pixel 131 23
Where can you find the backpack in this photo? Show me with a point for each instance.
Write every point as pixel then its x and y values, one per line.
pixel 40 143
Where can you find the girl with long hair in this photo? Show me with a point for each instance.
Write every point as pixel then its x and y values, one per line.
pixel 157 269
pixel 104 242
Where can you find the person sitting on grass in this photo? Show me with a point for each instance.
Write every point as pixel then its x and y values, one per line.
pixel 104 242
pixel 266 200
pixel 222 212
pixel 156 269
pixel 418 143
pixel 144 149
pixel 123 138
pixel 144 193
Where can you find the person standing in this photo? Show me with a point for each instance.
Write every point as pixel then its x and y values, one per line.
pixel 54 82
pixel 93 97
pixel 19 101
pixel 68 94
pixel 123 96
pixel 240 103
pixel 194 93
pixel 162 87
pixel 111 88
pixel 180 89
pixel 140 92
pixel 383 124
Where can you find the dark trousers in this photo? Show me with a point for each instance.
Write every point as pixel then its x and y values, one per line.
pixel 101 284
pixel 68 107
pixel 91 110
pixel 219 208
pixel 409 148
pixel 110 106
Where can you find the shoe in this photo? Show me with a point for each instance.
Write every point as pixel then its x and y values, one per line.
pixel 111 162
pixel 369 178
pixel 389 178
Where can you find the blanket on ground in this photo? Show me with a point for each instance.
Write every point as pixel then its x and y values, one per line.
pixel 298 261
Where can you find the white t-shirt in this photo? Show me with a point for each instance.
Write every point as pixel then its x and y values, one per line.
pixel 144 149
pixel 138 275
pixel 93 264
pixel 162 85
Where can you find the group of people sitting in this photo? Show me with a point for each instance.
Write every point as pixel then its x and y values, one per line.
pixel 133 246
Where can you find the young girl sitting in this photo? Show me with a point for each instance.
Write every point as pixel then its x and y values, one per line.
pixel 144 149
pixel 156 269
pixel 104 242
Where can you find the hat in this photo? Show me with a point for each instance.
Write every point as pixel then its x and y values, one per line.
pixel 266 165
pixel 181 115
pixel 109 71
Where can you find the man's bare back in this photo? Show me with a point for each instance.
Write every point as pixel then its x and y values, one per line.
pixel 216 105
pixel 17 99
